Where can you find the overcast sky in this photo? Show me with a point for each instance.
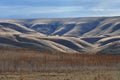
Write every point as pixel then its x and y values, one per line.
pixel 10 9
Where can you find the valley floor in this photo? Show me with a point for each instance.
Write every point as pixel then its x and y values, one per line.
pixel 79 75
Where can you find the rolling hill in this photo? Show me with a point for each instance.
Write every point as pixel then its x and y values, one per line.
pixel 70 35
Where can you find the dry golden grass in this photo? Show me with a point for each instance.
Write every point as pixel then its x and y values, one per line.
pixel 79 75
pixel 33 61
pixel 46 65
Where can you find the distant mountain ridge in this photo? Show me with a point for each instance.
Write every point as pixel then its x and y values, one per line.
pixel 92 34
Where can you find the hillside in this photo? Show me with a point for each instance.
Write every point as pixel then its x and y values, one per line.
pixel 90 35
pixel 76 27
